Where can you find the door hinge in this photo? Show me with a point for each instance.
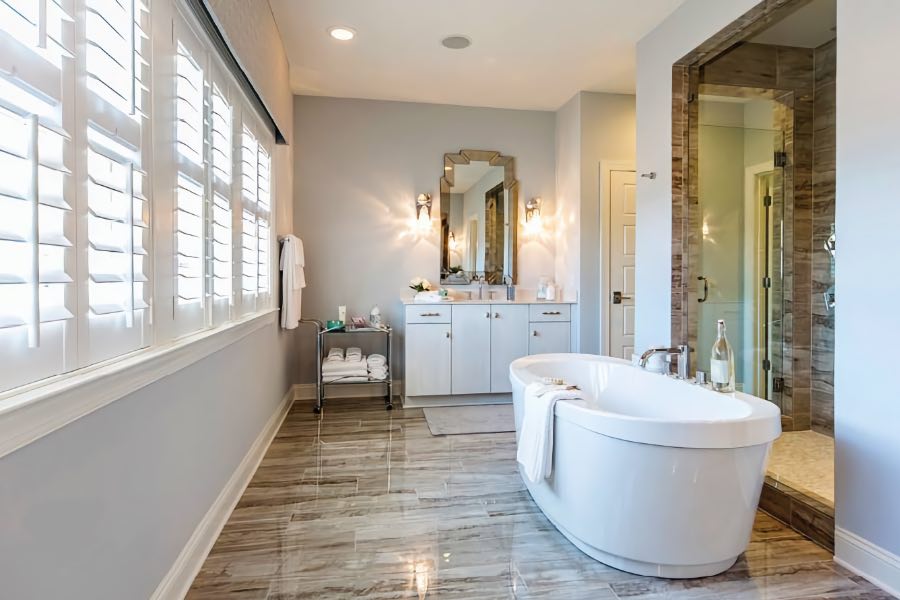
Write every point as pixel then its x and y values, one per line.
pixel 767 200
pixel 691 97
pixel 767 282
pixel 766 364
pixel 778 384
pixel 780 159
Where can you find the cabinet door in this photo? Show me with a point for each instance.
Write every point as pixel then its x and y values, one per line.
pixel 427 360
pixel 471 362
pixel 509 341
pixel 548 338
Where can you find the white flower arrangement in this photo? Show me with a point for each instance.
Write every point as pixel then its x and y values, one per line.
pixel 419 284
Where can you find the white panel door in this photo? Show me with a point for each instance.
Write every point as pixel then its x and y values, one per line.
pixel 621 264
pixel 509 341
pixel 471 349
pixel 427 359
pixel 548 338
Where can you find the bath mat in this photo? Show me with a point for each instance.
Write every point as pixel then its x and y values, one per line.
pixel 459 420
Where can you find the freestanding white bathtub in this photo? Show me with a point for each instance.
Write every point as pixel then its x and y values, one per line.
pixel 651 475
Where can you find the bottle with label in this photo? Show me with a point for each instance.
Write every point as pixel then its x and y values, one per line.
pixel 721 367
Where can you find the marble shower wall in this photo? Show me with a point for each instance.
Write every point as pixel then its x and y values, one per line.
pixel 822 364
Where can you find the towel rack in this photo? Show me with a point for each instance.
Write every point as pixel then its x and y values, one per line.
pixel 322 333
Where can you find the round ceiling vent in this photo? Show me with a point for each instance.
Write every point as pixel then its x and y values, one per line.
pixel 456 42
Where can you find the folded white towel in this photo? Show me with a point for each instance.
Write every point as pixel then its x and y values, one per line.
pixel 535 451
pixel 376 360
pixel 429 296
pixel 379 373
pixel 335 354
pixel 354 354
pixel 345 378
pixel 342 368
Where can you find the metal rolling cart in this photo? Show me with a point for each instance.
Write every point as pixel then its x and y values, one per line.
pixel 322 333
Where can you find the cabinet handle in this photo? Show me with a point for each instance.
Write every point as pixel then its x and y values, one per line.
pixel 447 335
pixel 534 333
pixel 551 312
pixel 487 315
pixel 429 314
pixel 496 315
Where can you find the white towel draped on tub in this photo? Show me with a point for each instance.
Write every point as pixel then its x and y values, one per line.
pixel 293 280
pixel 535 452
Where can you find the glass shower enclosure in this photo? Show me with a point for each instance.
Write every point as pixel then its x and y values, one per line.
pixel 736 262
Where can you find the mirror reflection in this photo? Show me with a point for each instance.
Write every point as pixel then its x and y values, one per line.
pixel 478 218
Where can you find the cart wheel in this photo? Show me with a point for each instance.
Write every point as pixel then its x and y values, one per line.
pixel 389 407
pixel 317 409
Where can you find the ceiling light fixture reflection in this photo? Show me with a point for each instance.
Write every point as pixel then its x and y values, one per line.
pixel 342 34
pixel 456 42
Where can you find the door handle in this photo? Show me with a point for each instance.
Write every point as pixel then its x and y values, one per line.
pixel 705 288
pixel 618 297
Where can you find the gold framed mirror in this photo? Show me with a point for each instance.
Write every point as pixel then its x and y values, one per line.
pixel 479 217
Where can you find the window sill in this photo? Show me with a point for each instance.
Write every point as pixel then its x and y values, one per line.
pixel 31 414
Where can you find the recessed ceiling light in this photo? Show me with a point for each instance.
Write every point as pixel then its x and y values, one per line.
pixel 456 42
pixel 343 34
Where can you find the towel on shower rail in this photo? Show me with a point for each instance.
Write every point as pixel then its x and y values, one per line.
pixel 535 451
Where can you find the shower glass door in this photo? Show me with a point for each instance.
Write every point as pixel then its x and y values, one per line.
pixel 736 259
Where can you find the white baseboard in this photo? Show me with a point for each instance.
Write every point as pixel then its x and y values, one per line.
pixel 307 391
pixel 868 560
pixel 178 580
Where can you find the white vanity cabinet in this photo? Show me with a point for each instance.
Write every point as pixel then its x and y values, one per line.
pixel 428 338
pixel 470 363
pixel 460 352
pixel 549 328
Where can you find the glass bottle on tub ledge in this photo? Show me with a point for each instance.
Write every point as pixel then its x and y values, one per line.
pixel 721 368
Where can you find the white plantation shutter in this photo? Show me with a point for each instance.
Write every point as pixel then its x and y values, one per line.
pixel 37 295
pixel 249 234
pixel 263 219
pixel 190 190
pixel 221 215
pixel 115 146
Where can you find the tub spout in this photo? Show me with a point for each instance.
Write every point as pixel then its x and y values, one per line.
pixel 683 352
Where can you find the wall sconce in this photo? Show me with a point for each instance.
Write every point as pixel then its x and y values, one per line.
pixel 423 201
pixel 451 242
pixel 532 209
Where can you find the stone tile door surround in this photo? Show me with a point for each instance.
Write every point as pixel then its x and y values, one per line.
pixel 728 65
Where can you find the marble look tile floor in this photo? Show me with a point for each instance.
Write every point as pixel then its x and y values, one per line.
pixel 804 460
pixel 365 503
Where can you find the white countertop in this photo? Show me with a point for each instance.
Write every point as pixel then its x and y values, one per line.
pixel 410 301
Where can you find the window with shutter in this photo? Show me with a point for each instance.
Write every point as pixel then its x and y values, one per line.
pixel 114 128
pixel 263 218
pixel 37 296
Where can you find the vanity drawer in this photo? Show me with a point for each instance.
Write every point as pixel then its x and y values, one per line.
pixel 540 313
pixel 428 313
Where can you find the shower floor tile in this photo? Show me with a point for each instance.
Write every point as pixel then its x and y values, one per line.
pixel 804 461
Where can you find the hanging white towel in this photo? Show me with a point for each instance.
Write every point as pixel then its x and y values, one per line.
pixel 293 280
pixel 535 451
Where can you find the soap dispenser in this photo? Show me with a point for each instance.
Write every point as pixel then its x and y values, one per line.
pixel 510 288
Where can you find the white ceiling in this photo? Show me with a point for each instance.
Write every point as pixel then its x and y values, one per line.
pixel 808 27
pixel 529 54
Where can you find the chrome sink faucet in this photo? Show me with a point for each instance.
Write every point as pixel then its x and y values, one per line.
pixel 683 352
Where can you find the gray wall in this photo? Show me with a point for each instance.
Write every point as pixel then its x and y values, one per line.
pixel 100 509
pixel 359 166
pixel 867 317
